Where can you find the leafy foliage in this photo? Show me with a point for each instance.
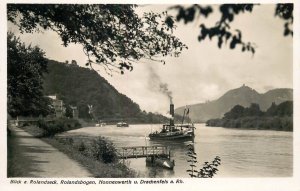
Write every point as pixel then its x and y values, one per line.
pixel 285 12
pixel 68 111
pixel 103 150
pixel 59 125
pixel 207 171
pixel 99 149
pixel 25 68
pixel 192 161
pixel 222 30
pixel 210 169
pixel 112 35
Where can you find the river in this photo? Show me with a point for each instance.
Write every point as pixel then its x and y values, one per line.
pixel 243 153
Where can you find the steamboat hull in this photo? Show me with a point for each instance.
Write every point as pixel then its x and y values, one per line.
pixel 172 137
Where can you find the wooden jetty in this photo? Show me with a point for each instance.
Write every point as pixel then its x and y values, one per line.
pixel 143 151
pixel 155 155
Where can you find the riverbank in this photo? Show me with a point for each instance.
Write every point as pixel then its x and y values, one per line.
pixel 95 168
pixel 257 123
pixel 32 157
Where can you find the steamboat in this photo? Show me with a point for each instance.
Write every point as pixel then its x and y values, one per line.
pixel 173 131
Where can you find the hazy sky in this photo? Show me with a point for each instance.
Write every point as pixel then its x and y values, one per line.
pixel 203 72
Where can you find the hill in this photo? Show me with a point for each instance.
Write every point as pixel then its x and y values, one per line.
pixel 78 86
pixel 243 96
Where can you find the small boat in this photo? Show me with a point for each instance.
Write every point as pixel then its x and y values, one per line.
pixel 122 124
pixel 100 124
pixel 174 132
pixel 164 162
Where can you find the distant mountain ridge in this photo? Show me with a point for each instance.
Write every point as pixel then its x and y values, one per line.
pixel 243 95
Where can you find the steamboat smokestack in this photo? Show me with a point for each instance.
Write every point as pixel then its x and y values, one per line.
pixel 172 114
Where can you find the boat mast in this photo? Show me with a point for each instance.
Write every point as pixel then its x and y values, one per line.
pixel 183 116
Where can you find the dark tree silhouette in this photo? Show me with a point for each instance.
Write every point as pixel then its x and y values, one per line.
pixel 112 35
pixel 69 111
pixel 222 29
pixel 253 110
pixel 277 117
pixel 236 112
pixel 25 68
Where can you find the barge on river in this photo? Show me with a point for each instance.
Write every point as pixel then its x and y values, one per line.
pixel 175 132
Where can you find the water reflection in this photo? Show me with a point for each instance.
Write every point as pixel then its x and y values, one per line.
pixel 155 172
pixel 244 153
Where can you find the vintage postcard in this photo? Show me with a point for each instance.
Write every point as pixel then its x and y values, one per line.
pixel 164 95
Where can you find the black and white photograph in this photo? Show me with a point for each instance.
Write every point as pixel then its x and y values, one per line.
pixel 99 93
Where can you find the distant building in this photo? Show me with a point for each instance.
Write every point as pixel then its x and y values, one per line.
pixel 53 97
pixel 58 106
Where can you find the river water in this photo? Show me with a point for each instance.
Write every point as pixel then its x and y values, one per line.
pixel 243 153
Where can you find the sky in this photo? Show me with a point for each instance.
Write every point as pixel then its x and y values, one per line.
pixel 201 73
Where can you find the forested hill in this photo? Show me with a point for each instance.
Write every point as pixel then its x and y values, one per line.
pixel 276 117
pixel 78 86
pixel 243 96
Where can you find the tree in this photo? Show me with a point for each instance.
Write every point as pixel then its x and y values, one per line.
pixel 74 63
pixel 236 112
pixel 253 110
pixel 112 35
pixel 285 109
pixel 271 111
pixel 25 68
pixel 222 30
pixel 69 111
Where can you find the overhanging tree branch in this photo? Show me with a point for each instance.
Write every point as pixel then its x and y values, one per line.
pixel 108 33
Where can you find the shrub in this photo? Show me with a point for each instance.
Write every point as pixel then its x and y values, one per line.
pixel 57 126
pixel 81 147
pixel 103 150
pixel 207 171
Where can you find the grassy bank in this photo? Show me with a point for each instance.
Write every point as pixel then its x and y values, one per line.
pixel 88 153
pixel 59 125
